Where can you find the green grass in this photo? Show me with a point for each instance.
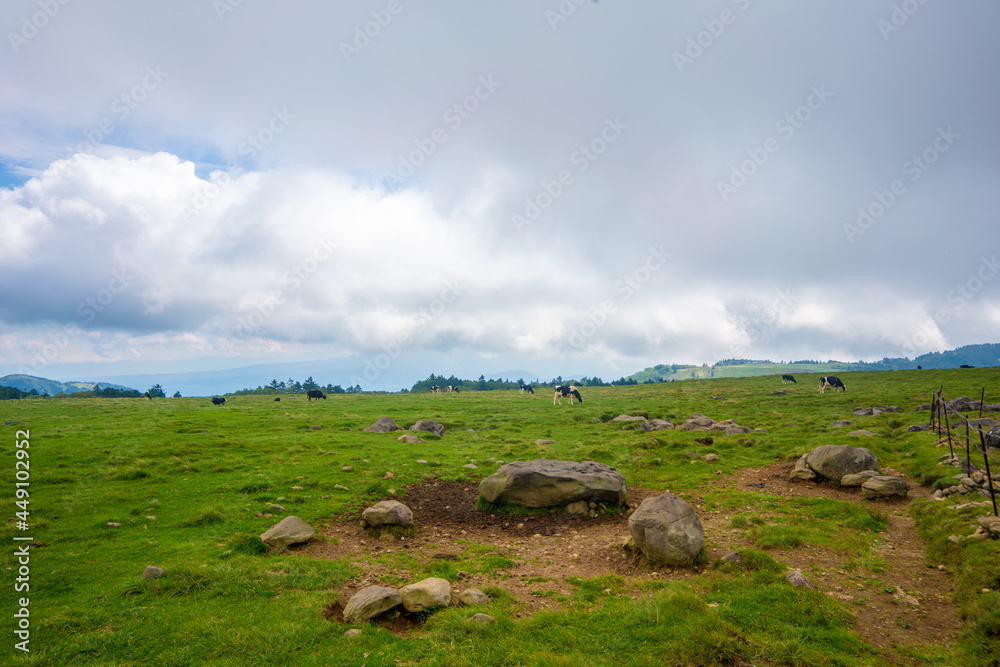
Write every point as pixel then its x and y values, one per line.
pixel 186 481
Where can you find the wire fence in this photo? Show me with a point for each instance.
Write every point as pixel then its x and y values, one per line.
pixel 941 407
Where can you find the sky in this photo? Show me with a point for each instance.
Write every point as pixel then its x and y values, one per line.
pixel 560 186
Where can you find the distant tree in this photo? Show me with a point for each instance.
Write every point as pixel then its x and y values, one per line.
pixel 276 385
pixel 309 384
pixel 156 391
pixel 177 394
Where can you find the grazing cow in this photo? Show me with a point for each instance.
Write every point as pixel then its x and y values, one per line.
pixel 527 388
pixel 315 393
pixel 218 400
pixel 566 390
pixel 435 389
pixel 453 388
pixel 830 381
pixel 788 378
pixel 966 366
pixel 277 400
pixel 148 396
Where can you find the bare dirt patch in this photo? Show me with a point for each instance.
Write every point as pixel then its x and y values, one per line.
pixel 548 550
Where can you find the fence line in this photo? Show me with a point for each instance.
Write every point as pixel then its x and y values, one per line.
pixel 939 411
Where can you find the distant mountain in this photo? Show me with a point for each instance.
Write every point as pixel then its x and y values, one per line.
pixel 51 387
pixel 980 356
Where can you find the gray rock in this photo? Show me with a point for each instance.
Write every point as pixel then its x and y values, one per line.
pixel 370 602
pixel 482 619
pixel 430 426
pixel 290 530
pixel 543 441
pixel 545 483
pixel 409 437
pixel 656 425
pixel 388 513
pixel 857 479
pixel 992 438
pixel 883 486
pixel 426 594
pixel 917 428
pixel 353 632
pixel 862 432
pixel 628 418
pixel 383 425
pixel 732 557
pixel 153 572
pixel 802 472
pixel 579 507
pixel 799 580
pixel 473 597
pixel 840 423
pixel 861 412
pixel 667 530
pixel 738 430
pixel 835 461
pixel 923 407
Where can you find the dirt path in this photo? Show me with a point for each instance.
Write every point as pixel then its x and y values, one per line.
pixel 910 604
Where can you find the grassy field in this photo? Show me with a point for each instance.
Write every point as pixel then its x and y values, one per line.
pixel 187 481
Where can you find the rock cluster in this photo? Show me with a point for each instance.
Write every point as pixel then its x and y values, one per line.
pixel 975 483
pixel 699 422
pixel 875 412
pixel 427 594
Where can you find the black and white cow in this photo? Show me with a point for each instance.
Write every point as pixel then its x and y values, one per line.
pixel 315 393
pixel 218 400
pixel 830 381
pixel 788 378
pixel 148 397
pixel 527 388
pixel 435 389
pixel 566 390
pixel 453 388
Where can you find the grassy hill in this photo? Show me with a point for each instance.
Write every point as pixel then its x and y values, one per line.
pixel 190 485
pixel 51 387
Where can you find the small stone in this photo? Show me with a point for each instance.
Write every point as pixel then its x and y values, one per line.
pixel 353 632
pixel 482 619
pixel 153 572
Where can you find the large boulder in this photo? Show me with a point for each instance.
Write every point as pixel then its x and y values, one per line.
pixel 290 530
pixel 667 530
pixel 387 513
pixel 430 426
pixel 545 483
pixel 426 594
pixel 370 602
pixel 835 461
pixel 383 425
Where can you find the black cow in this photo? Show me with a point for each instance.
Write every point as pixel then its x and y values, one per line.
pixel 566 390
pixel 966 366
pixel 277 400
pixel 218 400
pixel 788 378
pixel 830 381
pixel 315 393
pixel 527 388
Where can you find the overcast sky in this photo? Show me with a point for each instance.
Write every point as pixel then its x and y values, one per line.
pixel 586 186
